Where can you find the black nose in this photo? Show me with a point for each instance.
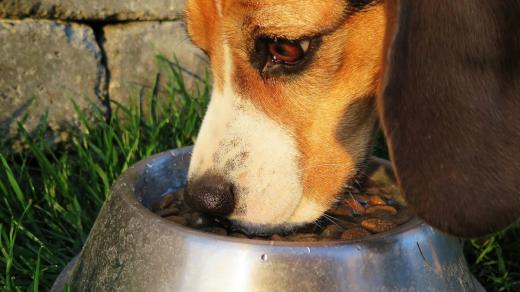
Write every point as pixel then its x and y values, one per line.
pixel 211 194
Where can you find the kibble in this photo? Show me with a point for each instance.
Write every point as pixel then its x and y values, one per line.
pixel 331 231
pixel 354 233
pixel 357 216
pixel 376 200
pixel 381 210
pixel 303 237
pixel 347 224
pixel 355 205
pixel 341 211
pixel 377 225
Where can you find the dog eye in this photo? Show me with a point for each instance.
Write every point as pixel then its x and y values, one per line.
pixel 276 56
pixel 287 51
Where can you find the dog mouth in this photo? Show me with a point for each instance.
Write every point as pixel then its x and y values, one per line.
pixel 252 229
pixel 260 230
pixel 362 208
pixel 247 220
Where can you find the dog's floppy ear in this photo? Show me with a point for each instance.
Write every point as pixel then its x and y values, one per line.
pixel 202 23
pixel 449 104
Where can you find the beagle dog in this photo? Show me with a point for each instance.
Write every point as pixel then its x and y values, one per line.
pixel 300 87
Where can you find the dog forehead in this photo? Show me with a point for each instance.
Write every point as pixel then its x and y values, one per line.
pixel 290 18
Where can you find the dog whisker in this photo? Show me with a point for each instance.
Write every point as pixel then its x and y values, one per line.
pixel 316 222
pixel 331 219
pixel 328 217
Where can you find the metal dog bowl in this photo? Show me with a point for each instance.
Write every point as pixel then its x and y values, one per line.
pixel 132 249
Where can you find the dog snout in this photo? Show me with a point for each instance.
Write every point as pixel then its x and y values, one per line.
pixel 211 194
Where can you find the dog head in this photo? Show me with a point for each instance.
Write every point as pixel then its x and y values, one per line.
pixel 293 110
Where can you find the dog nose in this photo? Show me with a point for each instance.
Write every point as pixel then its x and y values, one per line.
pixel 211 194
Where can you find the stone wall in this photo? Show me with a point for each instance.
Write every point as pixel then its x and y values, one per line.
pixel 55 51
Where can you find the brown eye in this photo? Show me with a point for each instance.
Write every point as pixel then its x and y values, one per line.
pixel 286 51
pixel 276 56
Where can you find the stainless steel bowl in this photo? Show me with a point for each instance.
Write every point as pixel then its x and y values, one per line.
pixel 132 249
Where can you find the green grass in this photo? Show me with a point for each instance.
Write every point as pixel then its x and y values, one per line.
pixel 50 196
pixel 496 260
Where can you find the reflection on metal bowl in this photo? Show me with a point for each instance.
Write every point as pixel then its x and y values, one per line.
pixel 132 249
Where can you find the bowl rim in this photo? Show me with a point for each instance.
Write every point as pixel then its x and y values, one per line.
pixel 129 198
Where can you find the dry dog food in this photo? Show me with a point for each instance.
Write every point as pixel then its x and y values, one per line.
pixel 358 215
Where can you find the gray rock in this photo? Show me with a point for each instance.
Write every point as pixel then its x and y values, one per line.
pixel 43 65
pixel 132 51
pixel 93 9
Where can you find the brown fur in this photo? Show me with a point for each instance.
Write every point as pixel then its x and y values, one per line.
pixel 204 26
pixel 319 118
pixel 450 108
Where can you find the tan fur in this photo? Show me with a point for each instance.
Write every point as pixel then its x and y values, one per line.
pixel 329 108
pixel 291 19
pixel 204 29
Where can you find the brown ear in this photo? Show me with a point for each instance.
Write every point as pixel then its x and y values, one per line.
pixel 202 20
pixel 450 108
